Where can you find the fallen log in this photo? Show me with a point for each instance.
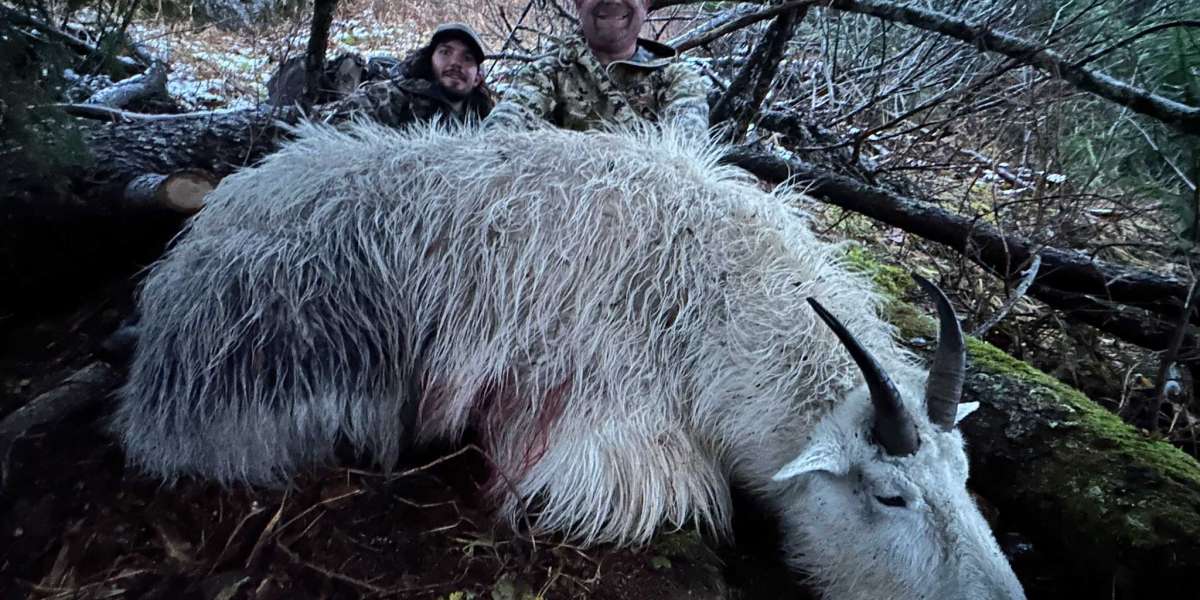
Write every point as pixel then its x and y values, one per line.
pixel 220 142
pixel 127 91
pixel 1041 451
pixel 182 191
pixel 1066 270
pixel 83 388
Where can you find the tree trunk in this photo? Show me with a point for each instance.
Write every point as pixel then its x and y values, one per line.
pixel 740 105
pixel 60 235
pixel 147 85
pixel 318 39
pixel 182 191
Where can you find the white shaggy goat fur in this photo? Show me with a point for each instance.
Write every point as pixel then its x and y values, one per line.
pixel 620 318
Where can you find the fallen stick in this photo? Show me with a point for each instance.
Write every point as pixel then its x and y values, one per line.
pixel 182 191
pixel 81 389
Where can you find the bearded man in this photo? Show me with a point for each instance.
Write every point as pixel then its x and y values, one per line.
pixel 441 81
pixel 607 76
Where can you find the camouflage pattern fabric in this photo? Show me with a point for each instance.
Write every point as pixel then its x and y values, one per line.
pixel 571 89
pixel 396 103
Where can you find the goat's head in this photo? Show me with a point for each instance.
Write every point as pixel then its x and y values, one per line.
pixel 877 503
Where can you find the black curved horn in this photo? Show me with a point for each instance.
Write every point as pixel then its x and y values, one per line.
pixel 943 389
pixel 893 428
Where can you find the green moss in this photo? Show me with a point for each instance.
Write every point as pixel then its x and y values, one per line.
pixel 1154 453
pixel 895 285
pixel 682 544
pixel 1125 496
pixel 892 282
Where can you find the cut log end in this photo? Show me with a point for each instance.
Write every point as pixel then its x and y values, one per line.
pixel 181 192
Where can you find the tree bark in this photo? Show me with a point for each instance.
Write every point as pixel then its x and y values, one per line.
pixel 318 39
pixel 219 142
pixel 740 105
pixel 149 84
pixel 182 191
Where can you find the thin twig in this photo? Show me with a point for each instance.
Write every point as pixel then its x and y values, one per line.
pixel 1169 358
pixel 1027 278
pixel 254 512
pixel 1133 38
pixel 742 23
pixel 512 32
pixel 266 533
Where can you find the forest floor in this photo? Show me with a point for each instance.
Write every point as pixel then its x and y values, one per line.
pixel 214 68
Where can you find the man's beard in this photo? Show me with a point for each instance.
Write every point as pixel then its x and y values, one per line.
pixel 453 95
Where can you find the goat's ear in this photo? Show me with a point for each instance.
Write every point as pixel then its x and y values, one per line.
pixel 964 409
pixel 823 457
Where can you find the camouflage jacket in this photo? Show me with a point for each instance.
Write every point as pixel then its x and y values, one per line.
pixel 571 89
pixel 398 102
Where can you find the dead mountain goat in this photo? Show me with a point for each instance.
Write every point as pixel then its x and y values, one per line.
pixel 623 322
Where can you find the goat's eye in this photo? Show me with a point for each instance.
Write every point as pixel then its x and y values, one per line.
pixel 896 501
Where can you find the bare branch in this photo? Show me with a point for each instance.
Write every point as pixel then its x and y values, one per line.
pixel 1180 116
pixel 746 93
pixel 1133 38
pixel 1027 279
pixel 723 28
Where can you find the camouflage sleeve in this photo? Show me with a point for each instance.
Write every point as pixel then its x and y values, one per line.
pixel 383 102
pixel 528 101
pixel 685 99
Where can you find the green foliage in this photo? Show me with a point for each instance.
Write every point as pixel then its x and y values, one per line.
pixel 1108 144
pixel 1184 75
pixel 1185 207
pixel 34 140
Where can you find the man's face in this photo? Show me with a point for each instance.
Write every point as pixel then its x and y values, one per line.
pixel 611 24
pixel 455 68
